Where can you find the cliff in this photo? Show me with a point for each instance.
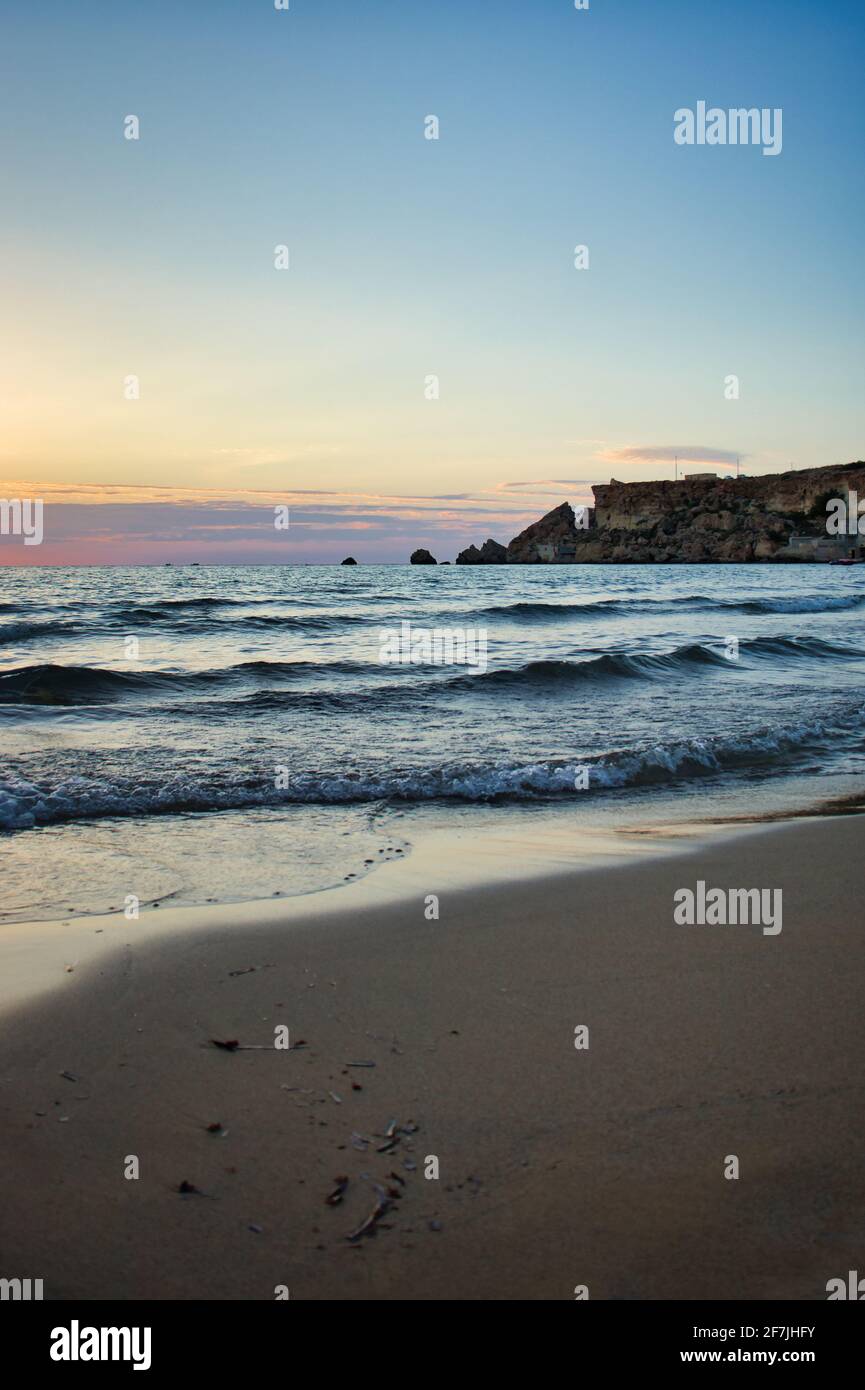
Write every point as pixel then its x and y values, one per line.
pixel 552 540
pixel 694 520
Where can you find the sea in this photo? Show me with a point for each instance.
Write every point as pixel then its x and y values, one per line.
pixel 200 734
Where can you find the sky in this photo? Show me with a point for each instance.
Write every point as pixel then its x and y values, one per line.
pixel 431 368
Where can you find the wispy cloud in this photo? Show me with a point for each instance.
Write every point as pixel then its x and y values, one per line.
pixel 666 453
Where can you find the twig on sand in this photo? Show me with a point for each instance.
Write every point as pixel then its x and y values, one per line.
pixel 368 1227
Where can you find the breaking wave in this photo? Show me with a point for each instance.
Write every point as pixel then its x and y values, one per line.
pixel 24 804
pixel 689 659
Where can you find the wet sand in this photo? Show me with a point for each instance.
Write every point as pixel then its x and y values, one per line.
pixel 558 1167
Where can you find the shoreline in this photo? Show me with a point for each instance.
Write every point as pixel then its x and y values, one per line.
pixel 550 840
pixel 557 1167
pixel 38 951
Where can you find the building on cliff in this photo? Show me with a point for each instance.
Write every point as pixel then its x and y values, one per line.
pixel 826 547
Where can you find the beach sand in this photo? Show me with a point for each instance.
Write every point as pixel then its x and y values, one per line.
pixel 558 1167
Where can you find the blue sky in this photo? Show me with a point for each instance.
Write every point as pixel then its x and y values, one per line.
pixel 412 257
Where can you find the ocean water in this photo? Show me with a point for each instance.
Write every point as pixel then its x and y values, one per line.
pixel 192 734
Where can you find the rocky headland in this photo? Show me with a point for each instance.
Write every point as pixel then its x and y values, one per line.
pixel 778 517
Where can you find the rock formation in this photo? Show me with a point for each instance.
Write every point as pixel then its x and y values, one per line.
pixel 490 553
pixel 694 520
pixel 706 518
pixel 349 560
pixel 550 541
pixel 422 557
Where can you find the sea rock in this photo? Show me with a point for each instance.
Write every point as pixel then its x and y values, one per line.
pixel 490 553
pixel 349 560
pixel 422 557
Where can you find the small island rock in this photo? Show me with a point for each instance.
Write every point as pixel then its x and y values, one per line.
pixel 490 553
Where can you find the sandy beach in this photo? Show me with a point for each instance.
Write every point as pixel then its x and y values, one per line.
pixel 558 1167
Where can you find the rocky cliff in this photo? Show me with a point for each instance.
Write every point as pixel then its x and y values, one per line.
pixel 694 520
pixel 552 540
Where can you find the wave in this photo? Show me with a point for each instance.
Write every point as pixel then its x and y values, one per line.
pixel 688 659
pixel 201 602
pixel 215 616
pixel 542 611
pixel 81 685
pixel 15 633
pixel 798 648
pixel 24 804
pixel 640 666
pixel 75 685
pixel 801 603
pixel 312 622
pixel 249 622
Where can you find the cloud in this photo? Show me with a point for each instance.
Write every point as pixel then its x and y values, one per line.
pixel 541 484
pixel 667 453
pixel 110 524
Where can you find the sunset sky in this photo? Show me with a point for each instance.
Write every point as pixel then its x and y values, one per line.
pixel 411 258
